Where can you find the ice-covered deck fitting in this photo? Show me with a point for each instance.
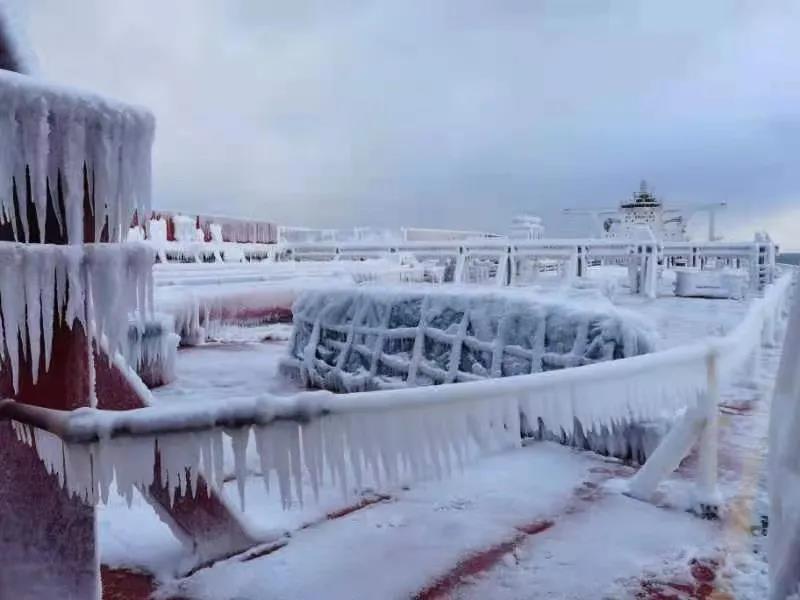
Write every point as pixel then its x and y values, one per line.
pixel 370 339
pixel 73 166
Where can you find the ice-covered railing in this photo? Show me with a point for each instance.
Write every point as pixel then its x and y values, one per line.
pixel 393 435
pixel 202 297
pixel 330 440
pixel 737 352
pixel 499 261
pixel 96 285
pixel 784 467
pixel 74 158
pixel 508 262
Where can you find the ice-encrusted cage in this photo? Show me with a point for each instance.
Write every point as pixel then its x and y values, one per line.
pixel 348 341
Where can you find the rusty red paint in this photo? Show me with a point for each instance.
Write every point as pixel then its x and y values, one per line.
pixel 123 584
pixel 363 503
pixel 701 587
pixel 480 562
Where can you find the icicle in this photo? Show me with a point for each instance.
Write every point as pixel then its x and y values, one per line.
pixel 47 289
pixel 12 305
pixel 33 307
pixel 239 439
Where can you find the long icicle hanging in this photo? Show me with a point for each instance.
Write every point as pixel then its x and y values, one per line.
pixel 50 134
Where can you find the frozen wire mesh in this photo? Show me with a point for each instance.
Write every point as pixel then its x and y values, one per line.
pixel 347 341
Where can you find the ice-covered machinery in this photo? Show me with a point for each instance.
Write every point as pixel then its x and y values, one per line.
pixel 710 284
pixel 370 339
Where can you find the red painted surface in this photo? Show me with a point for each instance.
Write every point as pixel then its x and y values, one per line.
pixel 699 587
pixel 122 584
pixel 479 562
pixel 47 541
pixel 201 517
pixel 62 529
pixel 343 512
pixel 65 385
pixel 260 314
pixel 233 229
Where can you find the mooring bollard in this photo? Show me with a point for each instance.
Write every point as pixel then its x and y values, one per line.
pixel 80 174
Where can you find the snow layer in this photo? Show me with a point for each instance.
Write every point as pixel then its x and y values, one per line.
pixel 421 533
pixel 393 549
pixel 54 132
pixel 98 285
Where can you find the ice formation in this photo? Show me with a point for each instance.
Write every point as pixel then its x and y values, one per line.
pixel 199 313
pixel 152 349
pixel 784 466
pixel 185 230
pixel 49 135
pixel 393 435
pixel 371 339
pixel 98 285
pixel 305 437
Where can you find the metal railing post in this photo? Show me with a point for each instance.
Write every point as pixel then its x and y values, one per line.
pixel 707 499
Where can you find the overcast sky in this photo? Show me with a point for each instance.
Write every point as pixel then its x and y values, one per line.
pixel 457 114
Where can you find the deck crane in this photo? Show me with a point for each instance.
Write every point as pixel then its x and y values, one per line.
pixel 711 208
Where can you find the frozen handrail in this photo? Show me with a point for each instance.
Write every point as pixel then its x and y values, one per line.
pixel 394 434
pixel 87 425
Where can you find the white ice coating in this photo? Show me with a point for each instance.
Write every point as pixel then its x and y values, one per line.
pixel 185 229
pixel 394 435
pixel 40 283
pixel 352 340
pixel 784 466
pixel 417 442
pixel 152 346
pixel 55 131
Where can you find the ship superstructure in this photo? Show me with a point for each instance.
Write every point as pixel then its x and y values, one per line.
pixel 645 210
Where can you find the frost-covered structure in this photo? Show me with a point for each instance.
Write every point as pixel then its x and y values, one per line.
pixel 152 349
pixel 94 285
pixel 311 437
pixel 784 467
pixel 349 341
pixel 72 151
pixel 74 172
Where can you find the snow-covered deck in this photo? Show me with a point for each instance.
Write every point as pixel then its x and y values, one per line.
pixel 426 537
pixel 545 521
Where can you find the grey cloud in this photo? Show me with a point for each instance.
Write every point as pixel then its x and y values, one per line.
pixel 451 113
